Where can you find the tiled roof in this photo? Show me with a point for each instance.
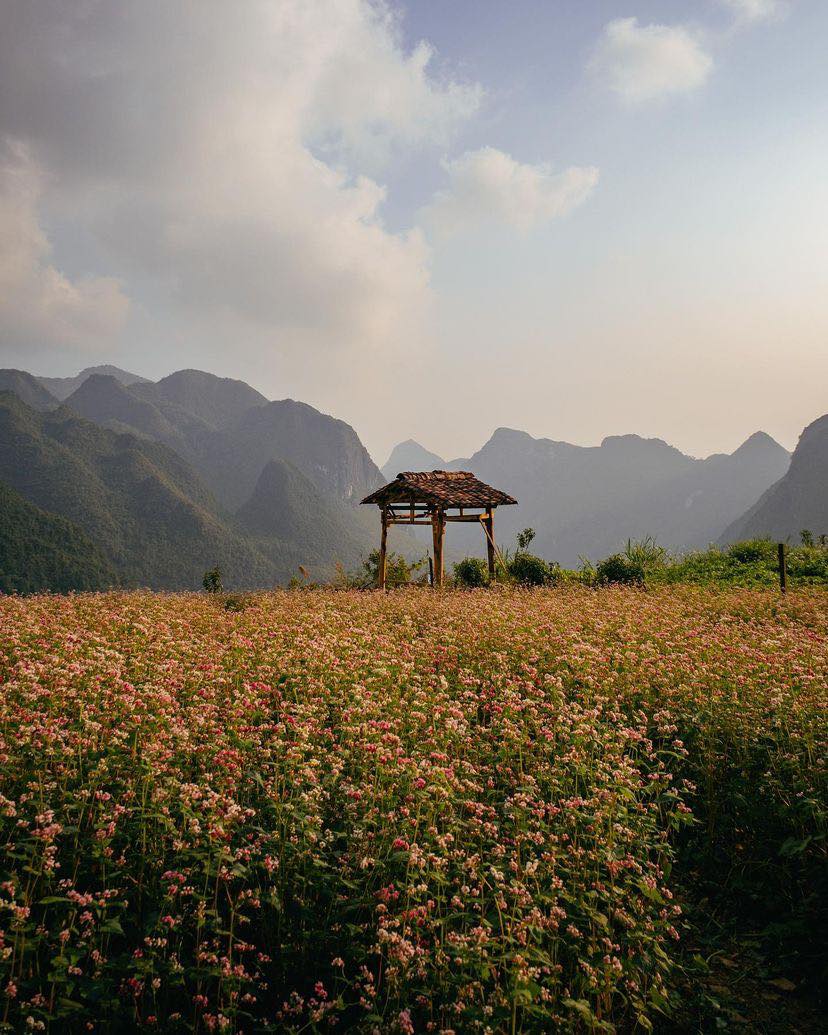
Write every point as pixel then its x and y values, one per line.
pixel 448 488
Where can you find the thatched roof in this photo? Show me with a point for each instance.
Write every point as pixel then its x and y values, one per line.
pixel 440 488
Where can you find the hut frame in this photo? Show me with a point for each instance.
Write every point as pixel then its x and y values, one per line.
pixel 436 498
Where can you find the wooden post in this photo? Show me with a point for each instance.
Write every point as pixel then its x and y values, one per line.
pixel 383 549
pixel 783 567
pixel 490 540
pixel 430 571
pixel 438 531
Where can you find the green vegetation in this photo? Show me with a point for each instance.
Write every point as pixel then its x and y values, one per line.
pixel 398 572
pixel 152 519
pixel 40 552
pixel 212 581
pixel 751 563
pixel 471 572
pixel 618 569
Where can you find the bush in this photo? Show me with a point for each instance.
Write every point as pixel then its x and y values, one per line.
pixel 529 570
pixel 212 581
pixel 398 572
pixel 472 572
pixel 621 570
pixel 646 554
pixel 752 550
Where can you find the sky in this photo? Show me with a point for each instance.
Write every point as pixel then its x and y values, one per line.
pixel 430 218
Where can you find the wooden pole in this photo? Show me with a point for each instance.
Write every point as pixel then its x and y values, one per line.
pixel 430 571
pixel 383 550
pixel 490 540
pixel 783 567
pixel 438 530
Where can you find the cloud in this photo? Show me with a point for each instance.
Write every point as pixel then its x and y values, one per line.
pixel 750 11
pixel 490 186
pixel 37 302
pixel 217 154
pixel 648 62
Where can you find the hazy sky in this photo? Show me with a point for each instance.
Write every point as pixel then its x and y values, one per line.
pixel 432 218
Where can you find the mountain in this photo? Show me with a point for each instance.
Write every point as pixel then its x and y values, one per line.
pixel 142 506
pixel 213 400
pixel 229 432
pixel 103 399
pixel 62 387
pixel 798 500
pixel 306 527
pixel 411 456
pixel 27 388
pixel 588 500
pixel 41 552
pixel 327 451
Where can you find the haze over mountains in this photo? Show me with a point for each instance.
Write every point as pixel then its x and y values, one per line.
pixel 108 478
pixel 588 500
pixel 167 479
pixel 799 500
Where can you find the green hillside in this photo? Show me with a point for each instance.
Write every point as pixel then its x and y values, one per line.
pixel 41 552
pixel 142 505
pixel 293 523
pixel 27 388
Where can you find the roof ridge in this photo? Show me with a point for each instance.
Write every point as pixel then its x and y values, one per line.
pixel 447 488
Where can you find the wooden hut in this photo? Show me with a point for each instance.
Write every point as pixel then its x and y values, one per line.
pixel 434 498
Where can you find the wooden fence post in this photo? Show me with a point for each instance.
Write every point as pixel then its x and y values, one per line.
pixel 783 567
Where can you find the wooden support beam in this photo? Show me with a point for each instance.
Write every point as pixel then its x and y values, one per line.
pixel 438 531
pixel 383 550
pixel 465 517
pixel 488 528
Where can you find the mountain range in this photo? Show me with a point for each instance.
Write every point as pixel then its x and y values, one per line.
pixel 586 501
pixel 108 478
pixel 167 479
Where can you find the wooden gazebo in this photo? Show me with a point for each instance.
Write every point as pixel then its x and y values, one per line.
pixel 426 497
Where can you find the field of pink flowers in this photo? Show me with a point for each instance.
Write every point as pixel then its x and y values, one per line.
pixel 449 812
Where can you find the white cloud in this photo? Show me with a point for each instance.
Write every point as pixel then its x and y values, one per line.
pixel 749 11
pixel 37 302
pixel 648 62
pixel 217 153
pixel 488 185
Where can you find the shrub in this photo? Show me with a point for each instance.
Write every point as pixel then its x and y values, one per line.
pixel 471 572
pixel 530 570
pixel 212 581
pixel 524 539
pixel 646 554
pixel 752 550
pixel 398 571
pixel 619 569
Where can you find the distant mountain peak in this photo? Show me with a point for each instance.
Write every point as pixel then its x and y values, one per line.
pixel 63 387
pixel 759 441
pixel 126 377
pixel 411 456
pixel 27 388
pixel 799 499
pixel 636 441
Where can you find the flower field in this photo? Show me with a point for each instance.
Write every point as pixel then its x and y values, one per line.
pixel 414 812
